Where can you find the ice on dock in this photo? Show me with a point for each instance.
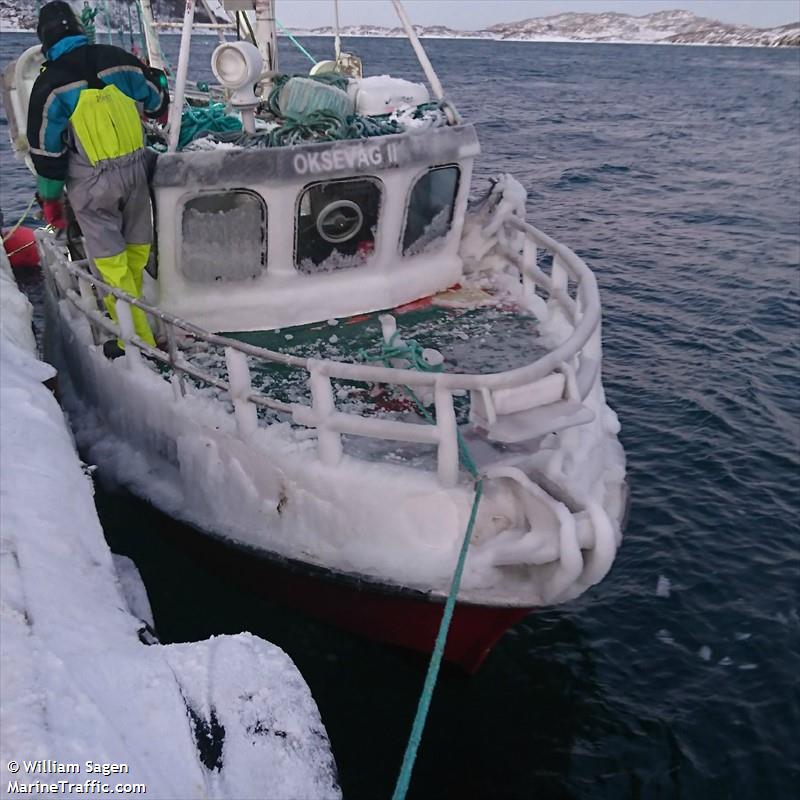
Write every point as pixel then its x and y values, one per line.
pixel 230 717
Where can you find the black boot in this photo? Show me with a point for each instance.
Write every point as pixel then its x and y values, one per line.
pixel 112 350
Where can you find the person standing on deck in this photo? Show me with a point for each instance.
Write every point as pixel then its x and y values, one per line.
pixel 84 129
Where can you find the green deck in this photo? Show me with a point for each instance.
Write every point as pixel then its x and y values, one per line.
pixel 486 339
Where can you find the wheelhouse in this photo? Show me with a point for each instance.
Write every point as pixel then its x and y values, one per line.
pixel 255 239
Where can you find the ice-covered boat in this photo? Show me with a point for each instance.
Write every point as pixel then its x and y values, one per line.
pixel 346 346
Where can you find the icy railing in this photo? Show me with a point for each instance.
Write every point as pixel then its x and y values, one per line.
pixel 575 361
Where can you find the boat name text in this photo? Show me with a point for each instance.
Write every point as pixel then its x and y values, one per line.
pixel 363 157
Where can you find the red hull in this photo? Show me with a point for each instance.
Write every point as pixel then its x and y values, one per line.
pixel 383 613
pixel 397 618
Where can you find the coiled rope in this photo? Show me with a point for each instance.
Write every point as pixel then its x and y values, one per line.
pixel 317 126
pixel 413 353
pixel 361 127
pixel 199 120
pixel 322 125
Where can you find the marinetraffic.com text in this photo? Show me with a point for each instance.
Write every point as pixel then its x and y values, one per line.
pixel 48 780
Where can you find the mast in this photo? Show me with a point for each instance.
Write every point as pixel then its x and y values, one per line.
pixel 422 56
pixel 337 41
pixel 176 109
pixel 266 33
pixel 453 117
pixel 150 35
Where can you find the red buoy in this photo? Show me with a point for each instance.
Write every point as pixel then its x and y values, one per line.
pixel 21 249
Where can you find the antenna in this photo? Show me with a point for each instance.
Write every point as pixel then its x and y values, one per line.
pixel 337 40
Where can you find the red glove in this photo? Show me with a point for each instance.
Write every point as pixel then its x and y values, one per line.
pixel 53 211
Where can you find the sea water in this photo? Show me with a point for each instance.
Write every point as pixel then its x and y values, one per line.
pixel 675 173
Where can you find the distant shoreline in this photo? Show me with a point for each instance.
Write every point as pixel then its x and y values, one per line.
pixel 554 40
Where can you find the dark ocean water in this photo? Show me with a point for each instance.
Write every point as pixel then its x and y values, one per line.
pixel 675 172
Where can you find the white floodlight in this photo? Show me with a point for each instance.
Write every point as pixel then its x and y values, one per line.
pixel 238 66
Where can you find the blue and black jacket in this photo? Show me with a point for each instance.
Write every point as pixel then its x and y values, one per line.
pixel 94 91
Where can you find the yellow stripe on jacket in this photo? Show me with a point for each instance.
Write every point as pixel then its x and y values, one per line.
pixel 107 124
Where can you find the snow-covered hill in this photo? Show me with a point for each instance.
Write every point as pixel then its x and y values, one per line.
pixel 676 27
pixel 661 27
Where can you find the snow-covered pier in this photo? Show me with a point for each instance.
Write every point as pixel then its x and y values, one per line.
pixel 230 717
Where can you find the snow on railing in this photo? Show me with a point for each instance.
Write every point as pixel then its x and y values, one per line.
pixel 577 358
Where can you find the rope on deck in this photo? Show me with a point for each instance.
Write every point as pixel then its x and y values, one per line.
pixel 322 125
pixel 198 120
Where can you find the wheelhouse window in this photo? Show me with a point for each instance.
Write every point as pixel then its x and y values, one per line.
pixel 337 223
pixel 430 210
pixel 224 237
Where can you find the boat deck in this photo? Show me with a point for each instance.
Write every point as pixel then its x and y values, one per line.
pixel 492 337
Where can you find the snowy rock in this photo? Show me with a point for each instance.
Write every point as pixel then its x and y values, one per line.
pixel 133 589
pixel 227 718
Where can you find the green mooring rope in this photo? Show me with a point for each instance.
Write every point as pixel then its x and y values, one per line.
pixel 407 767
pixel 412 351
pixel 294 41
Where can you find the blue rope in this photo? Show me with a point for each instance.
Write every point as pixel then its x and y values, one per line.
pixel 404 778
pixel 409 349
pixel 412 351
pixel 296 43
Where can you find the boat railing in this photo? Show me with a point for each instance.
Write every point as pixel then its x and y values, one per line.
pixel 574 362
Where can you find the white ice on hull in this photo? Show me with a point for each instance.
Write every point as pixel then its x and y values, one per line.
pixel 76 682
pixel 548 526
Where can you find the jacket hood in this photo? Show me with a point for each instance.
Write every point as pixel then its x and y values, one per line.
pixel 65 46
pixel 57 21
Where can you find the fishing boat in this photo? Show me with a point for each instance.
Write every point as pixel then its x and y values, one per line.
pixel 348 348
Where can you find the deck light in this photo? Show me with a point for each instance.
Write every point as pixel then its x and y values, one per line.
pixel 238 66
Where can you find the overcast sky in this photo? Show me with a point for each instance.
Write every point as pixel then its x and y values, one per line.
pixel 471 14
